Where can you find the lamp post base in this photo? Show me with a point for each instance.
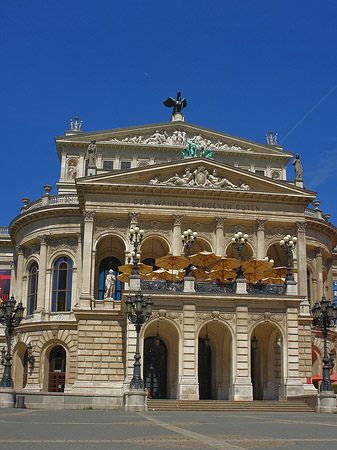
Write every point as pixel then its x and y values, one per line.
pixel 135 400
pixel 326 402
pixel 7 397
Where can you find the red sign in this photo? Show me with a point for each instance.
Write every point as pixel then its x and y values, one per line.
pixel 5 283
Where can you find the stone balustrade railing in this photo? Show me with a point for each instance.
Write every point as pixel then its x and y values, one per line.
pixel 64 199
pixel 4 231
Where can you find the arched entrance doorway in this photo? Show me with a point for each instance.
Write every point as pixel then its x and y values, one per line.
pixel 155 367
pixel 214 361
pixel 266 362
pixel 57 369
pixel 204 368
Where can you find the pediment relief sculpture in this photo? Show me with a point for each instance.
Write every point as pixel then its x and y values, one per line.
pixel 177 138
pixel 200 177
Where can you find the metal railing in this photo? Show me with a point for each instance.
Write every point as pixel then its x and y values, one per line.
pixel 162 285
pixel 266 289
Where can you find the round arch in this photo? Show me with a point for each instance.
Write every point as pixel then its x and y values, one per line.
pixel 201 245
pixel 215 356
pixel 266 360
pixel 275 252
pixel 153 247
pixel 45 362
pixel 161 335
pixel 247 252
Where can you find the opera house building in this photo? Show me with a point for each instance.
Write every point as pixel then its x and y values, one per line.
pixel 233 254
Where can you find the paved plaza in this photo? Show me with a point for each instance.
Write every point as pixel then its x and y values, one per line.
pixel 117 430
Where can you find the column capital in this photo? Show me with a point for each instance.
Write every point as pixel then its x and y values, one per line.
pixel 43 238
pixel 19 249
pixel 79 237
pixel 89 215
pixel 301 226
pixel 176 219
pixel 319 252
pixel 219 222
pixel 133 218
pixel 260 223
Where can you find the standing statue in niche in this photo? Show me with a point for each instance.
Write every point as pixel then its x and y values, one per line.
pixel 91 154
pixel 109 284
pixel 72 171
pixel 298 168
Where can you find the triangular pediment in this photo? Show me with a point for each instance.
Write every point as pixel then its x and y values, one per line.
pixel 208 177
pixel 175 135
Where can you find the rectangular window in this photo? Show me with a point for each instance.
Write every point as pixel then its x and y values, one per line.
pixel 125 165
pixel 108 165
pixel 259 172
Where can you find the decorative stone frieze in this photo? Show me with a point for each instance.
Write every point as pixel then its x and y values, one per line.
pixel 163 314
pixel 215 315
pixel 63 243
pixel 31 250
pixel 266 317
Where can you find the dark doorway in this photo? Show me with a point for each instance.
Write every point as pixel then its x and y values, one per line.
pixel 255 374
pixel 155 367
pixel 25 369
pixel 57 369
pixel 205 370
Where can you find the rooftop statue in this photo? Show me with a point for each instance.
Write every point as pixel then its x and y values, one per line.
pixel 91 154
pixel 178 104
pixel 298 168
pixel 271 140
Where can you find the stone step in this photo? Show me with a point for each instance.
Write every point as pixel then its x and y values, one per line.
pixel 219 405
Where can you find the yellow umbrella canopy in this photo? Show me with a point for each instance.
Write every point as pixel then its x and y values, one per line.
pixel 276 272
pixel 199 274
pixel 125 277
pixel 256 266
pixel 273 280
pixel 163 274
pixel 203 259
pixel 172 262
pixel 142 268
pixel 222 274
pixel 224 264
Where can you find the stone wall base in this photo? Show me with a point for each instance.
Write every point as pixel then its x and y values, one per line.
pixel 135 400
pixel 242 389
pixel 326 402
pixel 189 388
pixel 60 400
pixel 7 398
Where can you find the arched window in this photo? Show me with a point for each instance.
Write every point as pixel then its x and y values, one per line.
pixel 32 287
pixel 57 369
pixel 107 264
pixel 62 281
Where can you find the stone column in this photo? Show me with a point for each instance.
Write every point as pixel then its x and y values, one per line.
pixel 188 383
pixel 41 290
pixel 293 386
pixel 131 337
pixel 301 259
pixel 12 285
pixel 79 266
pixel 319 273
pixel 219 236
pixel 242 388
pixel 19 274
pixel 86 258
pixel 260 235
pixel 176 235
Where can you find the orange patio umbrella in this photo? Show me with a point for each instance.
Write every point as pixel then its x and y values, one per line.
pixel 203 259
pixel 163 274
pixel 222 274
pixel 142 268
pixel 172 262
pixel 224 264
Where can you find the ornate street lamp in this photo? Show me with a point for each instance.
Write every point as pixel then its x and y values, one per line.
pixel 138 311
pixel 136 237
pixel 188 239
pixel 10 317
pixel 288 244
pixel 239 240
pixel 324 317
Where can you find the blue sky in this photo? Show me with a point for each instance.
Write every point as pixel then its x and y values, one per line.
pixel 245 67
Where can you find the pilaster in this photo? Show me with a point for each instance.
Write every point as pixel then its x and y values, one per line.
pixel 19 273
pixel 189 384
pixel 242 388
pixel 41 292
pixel 319 272
pixel 87 258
